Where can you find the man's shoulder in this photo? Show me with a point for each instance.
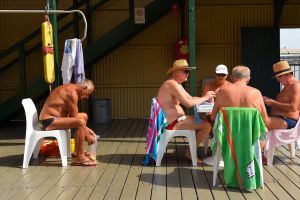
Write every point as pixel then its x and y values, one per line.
pixel 67 90
pixel 169 83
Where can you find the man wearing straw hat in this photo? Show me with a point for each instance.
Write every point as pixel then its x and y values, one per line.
pixel 285 108
pixel 171 94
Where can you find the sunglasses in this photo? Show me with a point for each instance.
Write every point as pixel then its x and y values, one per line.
pixel 186 71
pixel 221 75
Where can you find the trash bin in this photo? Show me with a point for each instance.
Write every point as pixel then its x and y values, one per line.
pixel 101 110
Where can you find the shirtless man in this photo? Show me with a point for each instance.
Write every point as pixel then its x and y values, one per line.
pixel 218 81
pixel 285 108
pixel 239 94
pixel 60 111
pixel 171 94
pixel 216 84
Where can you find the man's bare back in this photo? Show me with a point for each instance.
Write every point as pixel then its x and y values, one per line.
pixel 62 102
pixel 239 94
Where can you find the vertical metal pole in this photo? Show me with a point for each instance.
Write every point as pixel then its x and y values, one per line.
pixel 182 20
pixel 89 41
pixel 75 20
pixel 23 84
pixel 131 9
pixel 55 42
pixel 192 46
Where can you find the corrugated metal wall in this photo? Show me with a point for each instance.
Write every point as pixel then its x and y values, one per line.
pixel 132 74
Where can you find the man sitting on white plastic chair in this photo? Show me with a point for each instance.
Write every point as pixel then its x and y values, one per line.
pixel 171 94
pixel 60 111
pixel 285 108
pixel 239 94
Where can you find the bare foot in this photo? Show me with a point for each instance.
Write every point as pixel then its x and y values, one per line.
pixel 264 160
pixel 83 162
pixel 86 153
pixel 187 154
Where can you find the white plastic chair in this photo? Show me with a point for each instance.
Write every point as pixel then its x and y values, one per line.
pixel 168 135
pixel 279 137
pixel 35 136
pixel 206 141
pixel 218 127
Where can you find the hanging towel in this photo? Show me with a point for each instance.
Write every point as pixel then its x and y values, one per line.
pixel 156 127
pixel 68 60
pixel 79 63
pixel 72 63
pixel 238 130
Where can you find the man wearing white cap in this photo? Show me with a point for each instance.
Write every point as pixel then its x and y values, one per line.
pixel 218 81
pixel 171 94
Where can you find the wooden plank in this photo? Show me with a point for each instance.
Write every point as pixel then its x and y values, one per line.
pixel 62 183
pixel 173 180
pixel 104 183
pixel 218 191
pixel 75 184
pixel 159 187
pixel 131 184
pixel 145 183
pixel 286 169
pixel 274 187
pixel 14 184
pixel 105 148
pixel 45 186
pixel 233 193
pixel 27 189
pixel 144 187
pixel 49 183
pixel 284 182
pixel 120 153
pixel 282 152
pixel 119 180
pixel 105 151
pixel 200 183
pixel 185 173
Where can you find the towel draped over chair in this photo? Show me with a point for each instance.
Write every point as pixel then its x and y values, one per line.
pixel 238 131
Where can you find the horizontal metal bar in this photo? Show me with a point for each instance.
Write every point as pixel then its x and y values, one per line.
pixel 52 11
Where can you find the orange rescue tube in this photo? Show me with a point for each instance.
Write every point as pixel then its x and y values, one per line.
pixel 48 52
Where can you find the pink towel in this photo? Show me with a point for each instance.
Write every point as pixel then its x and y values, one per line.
pixel 278 137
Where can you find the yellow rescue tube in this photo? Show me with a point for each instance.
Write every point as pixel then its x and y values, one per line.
pixel 48 52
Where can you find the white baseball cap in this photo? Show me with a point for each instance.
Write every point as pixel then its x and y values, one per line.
pixel 221 69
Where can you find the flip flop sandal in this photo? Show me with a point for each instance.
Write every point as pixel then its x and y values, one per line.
pixel 86 163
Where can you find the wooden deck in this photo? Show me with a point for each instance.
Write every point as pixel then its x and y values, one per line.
pixel 121 175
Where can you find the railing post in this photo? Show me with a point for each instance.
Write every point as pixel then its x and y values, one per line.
pixel 55 42
pixel 75 20
pixel 131 9
pixel 89 71
pixel 22 70
pixel 192 46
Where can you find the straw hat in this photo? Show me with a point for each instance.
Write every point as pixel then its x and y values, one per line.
pixel 178 65
pixel 281 67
